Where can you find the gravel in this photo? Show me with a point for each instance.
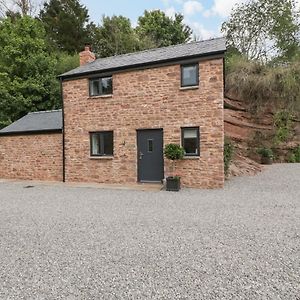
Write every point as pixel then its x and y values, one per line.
pixel 242 242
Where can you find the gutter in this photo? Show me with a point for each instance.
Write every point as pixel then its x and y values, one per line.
pixel 30 132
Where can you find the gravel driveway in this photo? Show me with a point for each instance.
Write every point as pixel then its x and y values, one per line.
pixel 242 242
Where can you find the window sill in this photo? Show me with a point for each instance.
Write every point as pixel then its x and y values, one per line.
pixel 102 157
pixel 192 157
pixel 101 96
pixel 193 87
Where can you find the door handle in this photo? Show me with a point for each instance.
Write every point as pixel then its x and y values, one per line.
pixel 141 155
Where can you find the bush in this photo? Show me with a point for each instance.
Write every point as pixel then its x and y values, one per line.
pixel 173 152
pixel 295 155
pixel 265 152
pixel 292 158
pixel 228 155
pixel 283 124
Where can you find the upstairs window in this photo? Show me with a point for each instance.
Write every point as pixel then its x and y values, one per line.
pixel 190 75
pixel 190 140
pixel 101 86
pixel 102 143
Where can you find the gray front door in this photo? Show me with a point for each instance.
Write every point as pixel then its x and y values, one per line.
pixel 150 155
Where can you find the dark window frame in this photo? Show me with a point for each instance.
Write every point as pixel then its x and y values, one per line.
pixel 197 74
pixel 198 140
pixel 100 134
pixel 100 80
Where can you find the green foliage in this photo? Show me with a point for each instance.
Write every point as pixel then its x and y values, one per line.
pixel 295 155
pixel 27 71
pixel 256 27
pixel 283 125
pixel 173 152
pixel 65 23
pixel 114 36
pixel 265 152
pixel 228 154
pixel 162 30
pixel 65 62
pixel 257 84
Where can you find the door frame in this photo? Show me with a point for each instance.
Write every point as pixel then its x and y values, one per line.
pixel 137 154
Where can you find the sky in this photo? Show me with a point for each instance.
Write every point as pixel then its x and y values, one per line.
pixel 205 17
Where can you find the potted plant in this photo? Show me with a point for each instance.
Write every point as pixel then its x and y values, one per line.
pixel 173 152
pixel 266 156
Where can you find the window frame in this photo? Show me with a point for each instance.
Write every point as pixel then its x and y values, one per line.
pixel 181 74
pixel 100 83
pixel 197 128
pixel 99 133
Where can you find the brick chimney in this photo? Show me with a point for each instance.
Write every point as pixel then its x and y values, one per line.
pixel 86 56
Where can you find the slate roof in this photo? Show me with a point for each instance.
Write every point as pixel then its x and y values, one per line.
pixel 41 121
pixel 152 56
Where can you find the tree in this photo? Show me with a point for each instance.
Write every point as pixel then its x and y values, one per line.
pixel 260 29
pixel 18 7
pixel 65 23
pixel 27 71
pixel 162 30
pixel 114 36
pixel 285 27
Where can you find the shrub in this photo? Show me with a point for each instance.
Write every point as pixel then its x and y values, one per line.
pixel 228 154
pixel 173 152
pixel 292 158
pixel 295 155
pixel 283 124
pixel 265 152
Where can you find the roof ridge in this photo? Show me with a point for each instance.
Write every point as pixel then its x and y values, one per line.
pixel 157 48
pixel 44 111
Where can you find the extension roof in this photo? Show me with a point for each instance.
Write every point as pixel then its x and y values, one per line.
pixel 150 57
pixel 35 122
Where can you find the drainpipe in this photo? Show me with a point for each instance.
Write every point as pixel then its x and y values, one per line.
pixel 224 80
pixel 63 132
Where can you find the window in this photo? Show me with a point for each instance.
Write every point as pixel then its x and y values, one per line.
pixel 102 143
pixel 150 145
pixel 190 75
pixel 190 140
pixel 101 86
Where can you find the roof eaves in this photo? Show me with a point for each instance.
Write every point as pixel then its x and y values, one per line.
pixel 29 132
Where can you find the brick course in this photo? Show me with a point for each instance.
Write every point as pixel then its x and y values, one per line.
pixel 32 157
pixel 145 99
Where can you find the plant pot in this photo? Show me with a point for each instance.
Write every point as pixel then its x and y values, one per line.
pixel 173 184
pixel 266 160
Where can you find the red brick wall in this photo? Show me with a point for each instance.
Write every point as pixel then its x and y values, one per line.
pixel 141 99
pixel 33 157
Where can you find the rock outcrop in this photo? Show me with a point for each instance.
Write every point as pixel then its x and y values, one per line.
pixel 248 131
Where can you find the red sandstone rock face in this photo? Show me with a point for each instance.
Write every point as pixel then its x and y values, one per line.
pixel 31 157
pixel 243 165
pixel 241 126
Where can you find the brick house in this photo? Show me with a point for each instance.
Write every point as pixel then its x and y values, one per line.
pixel 119 112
